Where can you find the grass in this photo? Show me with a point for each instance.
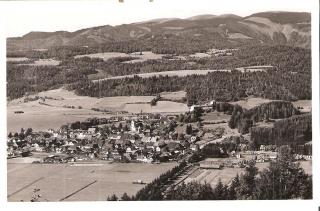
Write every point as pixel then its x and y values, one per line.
pixel 17 59
pixel 174 96
pixel 56 113
pixel 61 180
pixel 179 73
pixel 251 102
pixel 306 105
pixel 146 55
pixel 161 107
pixel 45 62
pixel 215 117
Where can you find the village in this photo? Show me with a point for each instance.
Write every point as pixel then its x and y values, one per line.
pixel 139 138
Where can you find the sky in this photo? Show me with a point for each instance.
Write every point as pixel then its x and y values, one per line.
pixel 22 17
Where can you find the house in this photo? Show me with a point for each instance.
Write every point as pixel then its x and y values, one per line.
pixel 194 147
pixel 145 139
pixel 262 148
pixel 273 156
pixel 133 127
pixel 92 130
pixel 144 159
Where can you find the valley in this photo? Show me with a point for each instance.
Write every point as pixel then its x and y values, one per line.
pixel 202 108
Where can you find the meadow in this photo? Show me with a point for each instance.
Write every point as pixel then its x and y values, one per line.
pixel 57 109
pixel 179 73
pixel 86 182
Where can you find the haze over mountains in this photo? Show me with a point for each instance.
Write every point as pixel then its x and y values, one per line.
pixel 271 28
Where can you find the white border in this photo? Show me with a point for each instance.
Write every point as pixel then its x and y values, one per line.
pixel 168 205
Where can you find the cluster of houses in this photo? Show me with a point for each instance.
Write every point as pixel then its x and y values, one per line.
pixel 140 138
pixel 146 138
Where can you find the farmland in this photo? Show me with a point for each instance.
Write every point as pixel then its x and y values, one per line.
pixel 174 96
pixel 179 73
pixel 251 102
pixel 161 107
pixel 45 62
pixel 17 59
pixel 57 109
pixel 145 55
pixel 212 176
pixel 304 105
pixel 56 181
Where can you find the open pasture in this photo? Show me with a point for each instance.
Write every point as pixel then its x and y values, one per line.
pixel 262 68
pixel 67 182
pixel 179 73
pixel 303 105
pixel 56 109
pixel 174 96
pixel 161 107
pixel 251 102
pixel 215 116
pixel 17 59
pixel 141 57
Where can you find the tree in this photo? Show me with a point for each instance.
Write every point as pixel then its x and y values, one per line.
pixel 247 182
pixel 125 197
pixel 29 131
pixel 120 126
pixel 232 191
pixel 220 191
pixel 189 129
pixel 113 198
pixel 284 179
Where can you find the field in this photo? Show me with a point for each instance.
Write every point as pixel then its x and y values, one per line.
pixel 226 175
pixel 214 117
pixel 305 104
pixel 263 68
pixel 238 36
pixel 252 102
pixel 56 111
pixel 146 55
pixel 43 62
pixel 174 96
pixel 17 59
pixel 81 182
pixel 41 117
pixel 161 107
pixel 179 73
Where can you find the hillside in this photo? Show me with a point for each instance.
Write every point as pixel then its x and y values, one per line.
pixel 285 28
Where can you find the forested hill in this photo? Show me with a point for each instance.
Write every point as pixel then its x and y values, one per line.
pixel 181 35
pixel 289 79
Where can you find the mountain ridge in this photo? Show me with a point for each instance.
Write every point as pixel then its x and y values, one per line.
pixel 274 27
